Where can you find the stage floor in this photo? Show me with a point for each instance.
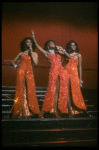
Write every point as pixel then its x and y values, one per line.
pixel 50 131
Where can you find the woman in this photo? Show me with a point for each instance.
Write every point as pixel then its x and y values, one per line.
pixel 77 104
pixel 50 103
pixel 25 103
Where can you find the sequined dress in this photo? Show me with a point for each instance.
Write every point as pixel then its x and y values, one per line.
pixel 71 71
pixel 55 71
pixel 25 97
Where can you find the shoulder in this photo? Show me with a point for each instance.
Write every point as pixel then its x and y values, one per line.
pixel 79 55
pixel 19 54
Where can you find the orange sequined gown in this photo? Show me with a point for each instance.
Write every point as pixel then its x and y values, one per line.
pixel 55 71
pixel 25 101
pixel 71 71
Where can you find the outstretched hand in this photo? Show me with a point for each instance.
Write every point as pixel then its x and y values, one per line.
pixel 32 31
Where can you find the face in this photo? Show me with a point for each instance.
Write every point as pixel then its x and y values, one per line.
pixel 51 45
pixel 28 43
pixel 73 46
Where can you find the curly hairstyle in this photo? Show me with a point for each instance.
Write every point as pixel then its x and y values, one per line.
pixel 68 47
pixel 24 46
pixel 47 44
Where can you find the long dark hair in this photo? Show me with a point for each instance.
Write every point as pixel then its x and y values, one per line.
pixel 24 46
pixel 68 47
pixel 47 44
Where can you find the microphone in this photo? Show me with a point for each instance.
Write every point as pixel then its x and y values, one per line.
pixel 30 47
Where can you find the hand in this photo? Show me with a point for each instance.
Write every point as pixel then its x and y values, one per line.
pixel 81 82
pixel 59 50
pixel 32 31
pixel 17 66
pixel 30 48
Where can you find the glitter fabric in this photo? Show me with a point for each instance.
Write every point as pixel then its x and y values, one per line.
pixel 25 71
pixel 55 71
pixel 25 110
pixel 63 94
pixel 71 71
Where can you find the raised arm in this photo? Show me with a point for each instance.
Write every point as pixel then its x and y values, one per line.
pixel 39 47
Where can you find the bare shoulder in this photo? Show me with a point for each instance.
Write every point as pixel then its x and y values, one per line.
pixel 79 57
pixel 19 54
pixel 79 54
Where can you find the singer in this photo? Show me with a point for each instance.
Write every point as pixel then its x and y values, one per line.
pixel 56 85
pixel 25 103
pixel 73 71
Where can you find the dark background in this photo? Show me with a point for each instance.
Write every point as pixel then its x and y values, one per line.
pixel 59 21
